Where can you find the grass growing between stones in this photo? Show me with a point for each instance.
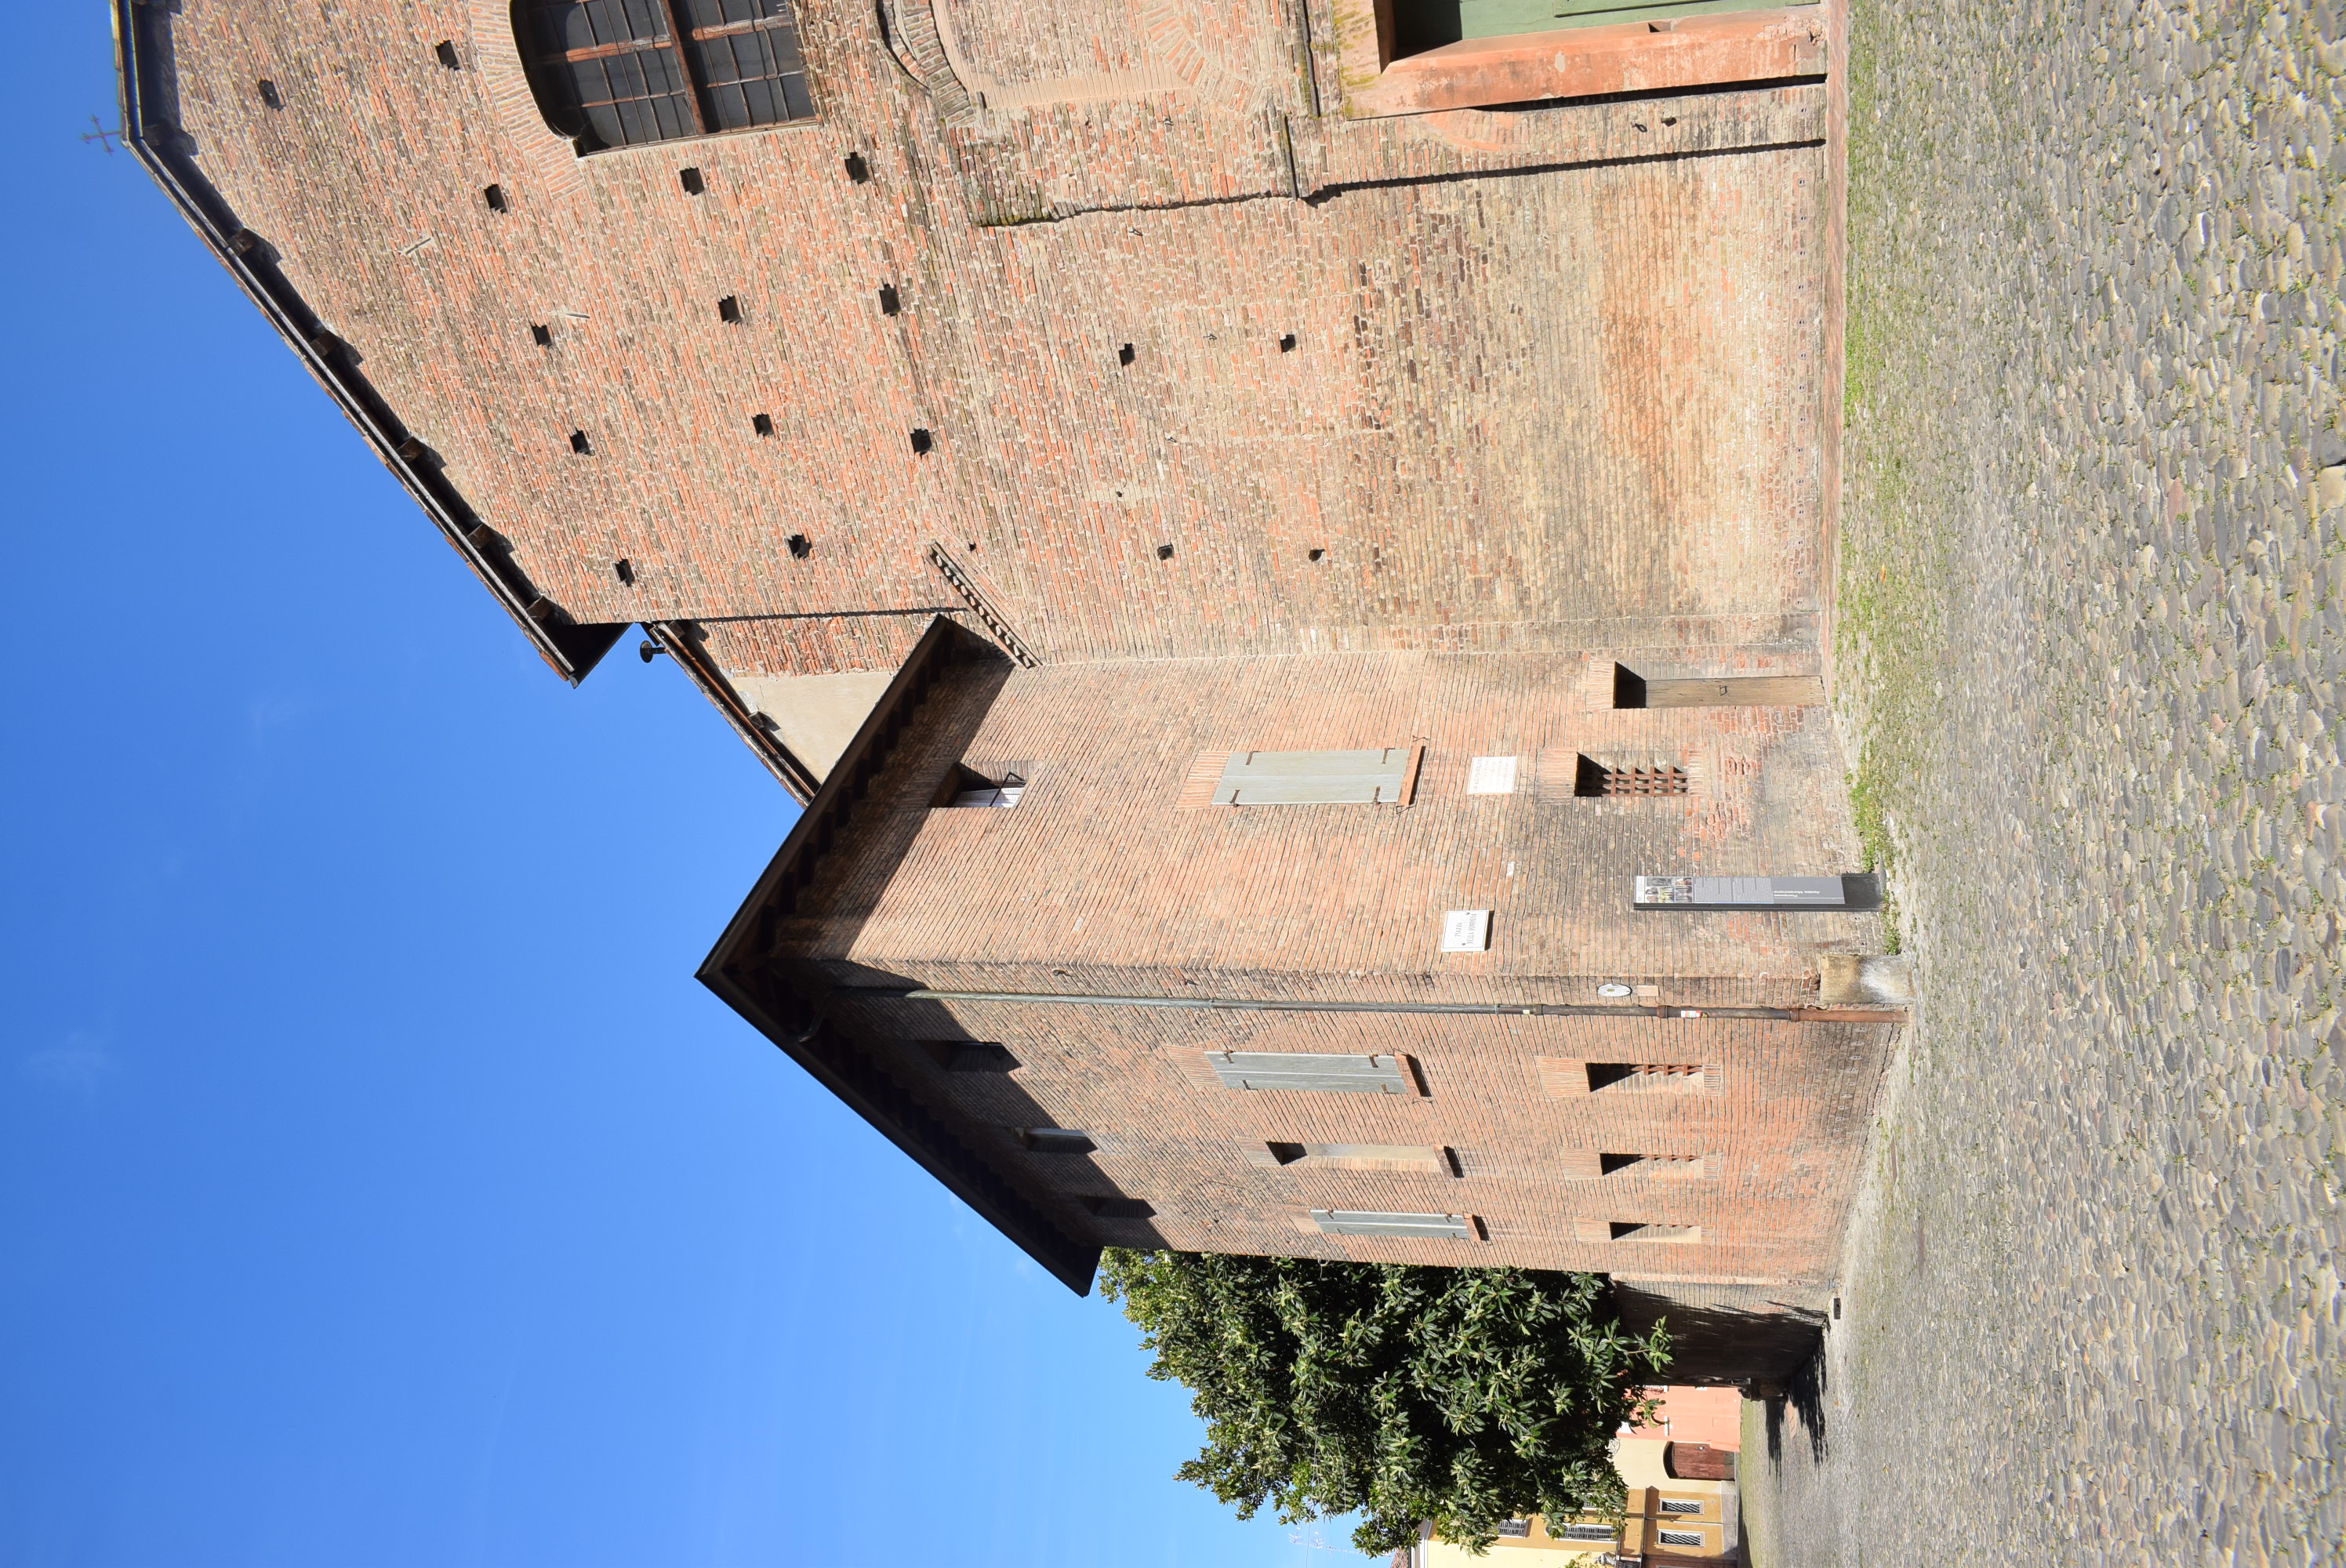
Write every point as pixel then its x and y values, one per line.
pixel 2090 648
pixel 1889 630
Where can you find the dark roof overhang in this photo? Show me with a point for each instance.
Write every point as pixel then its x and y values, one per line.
pixel 142 50
pixel 792 1008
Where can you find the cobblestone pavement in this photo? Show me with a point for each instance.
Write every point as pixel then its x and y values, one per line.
pixel 2091 651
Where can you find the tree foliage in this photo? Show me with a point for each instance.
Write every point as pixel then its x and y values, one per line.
pixel 1465 1397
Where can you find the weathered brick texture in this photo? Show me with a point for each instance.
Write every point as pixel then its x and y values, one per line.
pixel 1250 427
pixel 1553 381
pixel 1110 932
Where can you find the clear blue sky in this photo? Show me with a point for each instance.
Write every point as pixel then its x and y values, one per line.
pixel 380 1186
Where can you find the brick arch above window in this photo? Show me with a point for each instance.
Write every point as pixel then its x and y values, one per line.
pixel 624 73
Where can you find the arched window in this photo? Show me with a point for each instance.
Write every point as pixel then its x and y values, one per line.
pixel 611 73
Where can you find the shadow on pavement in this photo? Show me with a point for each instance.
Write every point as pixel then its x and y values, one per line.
pixel 1803 1397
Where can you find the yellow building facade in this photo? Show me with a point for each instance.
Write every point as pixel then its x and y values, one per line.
pixel 1671 1521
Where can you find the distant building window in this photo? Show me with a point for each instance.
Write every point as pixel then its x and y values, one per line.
pixel 1400 1227
pixel 610 73
pixel 1311 1070
pixel 1518 1527
pixel 1383 777
pixel 1588 1533
pixel 1681 1505
pixel 1681 1537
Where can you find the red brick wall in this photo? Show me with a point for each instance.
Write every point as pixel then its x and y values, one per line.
pixel 1554 388
pixel 1096 873
pixel 1099 883
pixel 1554 407
pixel 1779 1120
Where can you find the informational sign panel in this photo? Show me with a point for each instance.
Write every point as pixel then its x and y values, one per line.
pixel 1466 930
pixel 1741 893
pixel 1491 775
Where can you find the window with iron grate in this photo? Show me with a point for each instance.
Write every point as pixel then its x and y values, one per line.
pixel 622 73
pixel 1594 778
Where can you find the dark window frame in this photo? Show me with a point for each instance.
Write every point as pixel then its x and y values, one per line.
pixel 610 74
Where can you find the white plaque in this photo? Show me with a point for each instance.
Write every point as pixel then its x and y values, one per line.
pixel 1466 930
pixel 1491 775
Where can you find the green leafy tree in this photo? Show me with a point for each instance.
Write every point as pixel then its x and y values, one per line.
pixel 1464 1397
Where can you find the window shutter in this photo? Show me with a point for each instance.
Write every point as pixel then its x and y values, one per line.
pixel 1405 1226
pixel 1317 777
pixel 1303 1070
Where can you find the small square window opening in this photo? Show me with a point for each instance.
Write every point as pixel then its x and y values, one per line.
pixel 267 91
pixel 1593 779
pixel 966 786
pixel 541 334
pixel 729 309
pixel 580 444
pixel 923 443
pixel 1663 1165
pixel 446 52
pixel 1635 1076
pixel 763 423
pixel 494 194
pixel 690 180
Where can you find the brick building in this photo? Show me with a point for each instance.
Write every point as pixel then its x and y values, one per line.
pixel 1350 479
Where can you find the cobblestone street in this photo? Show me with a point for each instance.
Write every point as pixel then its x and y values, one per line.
pixel 2090 646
